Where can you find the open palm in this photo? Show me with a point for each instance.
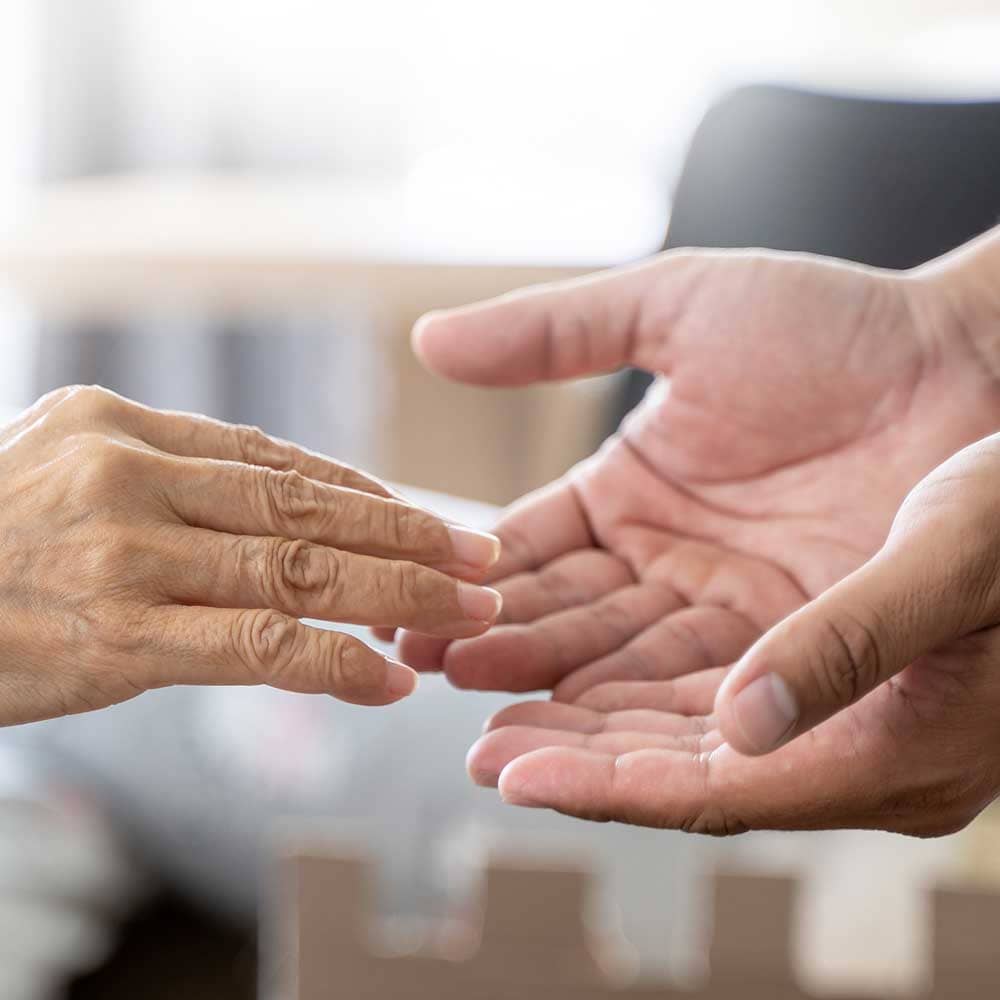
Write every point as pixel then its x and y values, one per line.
pixel 800 399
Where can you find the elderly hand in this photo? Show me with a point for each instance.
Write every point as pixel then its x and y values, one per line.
pixel 803 399
pixel 142 548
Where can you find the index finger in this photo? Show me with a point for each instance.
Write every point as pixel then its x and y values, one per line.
pixel 191 435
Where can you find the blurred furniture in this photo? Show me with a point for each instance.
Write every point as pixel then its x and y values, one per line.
pixel 173 949
pixel 106 249
pixel 528 937
pixel 883 182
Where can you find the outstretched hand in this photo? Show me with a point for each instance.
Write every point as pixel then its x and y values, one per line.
pixel 800 400
pixel 900 660
pixel 142 548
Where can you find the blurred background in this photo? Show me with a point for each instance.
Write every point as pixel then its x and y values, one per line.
pixel 241 209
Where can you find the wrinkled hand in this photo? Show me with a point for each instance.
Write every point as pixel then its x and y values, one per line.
pixel 802 400
pixel 142 548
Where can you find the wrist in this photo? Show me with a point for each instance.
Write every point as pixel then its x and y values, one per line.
pixel 958 298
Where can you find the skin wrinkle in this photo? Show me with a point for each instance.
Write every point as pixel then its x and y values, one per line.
pixel 966 326
pixel 122 516
pixel 565 590
pixel 696 593
pixel 633 325
pixel 627 648
pixel 583 510
pixel 713 542
pixel 648 330
pixel 518 542
pixel 683 631
pixel 583 342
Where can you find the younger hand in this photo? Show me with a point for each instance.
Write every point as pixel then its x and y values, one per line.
pixel 882 696
pixel 800 400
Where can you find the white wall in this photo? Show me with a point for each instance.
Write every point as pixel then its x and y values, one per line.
pixel 18 121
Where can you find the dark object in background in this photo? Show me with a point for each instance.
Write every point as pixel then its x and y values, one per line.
pixel 173 950
pixel 882 182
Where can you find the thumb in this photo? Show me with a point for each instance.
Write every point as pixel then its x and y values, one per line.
pixel 557 331
pixel 902 604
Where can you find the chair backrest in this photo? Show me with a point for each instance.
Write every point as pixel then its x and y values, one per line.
pixel 882 182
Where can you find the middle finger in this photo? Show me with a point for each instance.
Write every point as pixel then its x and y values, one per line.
pixel 313 581
pixel 252 500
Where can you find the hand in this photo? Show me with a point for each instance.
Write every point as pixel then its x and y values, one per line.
pixel 910 641
pixel 142 548
pixel 805 398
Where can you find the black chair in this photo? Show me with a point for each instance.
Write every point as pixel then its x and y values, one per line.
pixel 881 182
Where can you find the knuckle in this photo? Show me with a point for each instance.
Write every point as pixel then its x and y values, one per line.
pixel 848 660
pixel 411 585
pixel 100 461
pixel 290 496
pixel 266 642
pixel 403 527
pixel 91 402
pixel 255 447
pixel 298 567
pixel 55 396
pixel 110 638
pixel 111 556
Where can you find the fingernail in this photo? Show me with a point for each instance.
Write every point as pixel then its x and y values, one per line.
pixel 481 603
pixel 401 680
pixel 474 548
pixel 765 712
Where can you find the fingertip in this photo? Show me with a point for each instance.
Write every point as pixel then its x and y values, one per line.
pixel 422 337
pixel 481 604
pixel 463 678
pixel 423 653
pixel 398 682
pixel 514 786
pixel 471 665
pixel 756 714
pixel 480 663
pixel 496 720
pixel 401 681
pixel 478 549
pixel 478 764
